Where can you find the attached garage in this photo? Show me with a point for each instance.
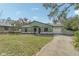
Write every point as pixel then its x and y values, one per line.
pixel 58 28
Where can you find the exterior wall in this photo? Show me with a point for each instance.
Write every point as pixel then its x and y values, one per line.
pixel 49 29
pixel 1 29
pixel 29 30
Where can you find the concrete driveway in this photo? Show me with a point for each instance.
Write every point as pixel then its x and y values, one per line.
pixel 60 46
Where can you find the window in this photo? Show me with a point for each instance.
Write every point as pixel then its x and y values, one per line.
pixel 45 29
pixel 35 29
pixel 6 28
pixel 25 29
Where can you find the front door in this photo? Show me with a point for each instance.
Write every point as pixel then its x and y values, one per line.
pixel 35 30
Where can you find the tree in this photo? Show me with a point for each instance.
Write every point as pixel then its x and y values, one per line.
pixel 58 11
pixel 8 18
pixel 20 22
pixel 71 24
pixel 23 21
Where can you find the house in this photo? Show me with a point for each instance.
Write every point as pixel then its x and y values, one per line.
pixel 37 27
pixel 5 26
pixel 42 28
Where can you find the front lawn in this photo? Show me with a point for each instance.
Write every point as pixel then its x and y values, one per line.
pixel 22 44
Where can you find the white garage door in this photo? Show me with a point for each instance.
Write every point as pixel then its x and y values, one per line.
pixel 57 29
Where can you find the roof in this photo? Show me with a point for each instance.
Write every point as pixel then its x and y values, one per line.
pixel 42 23
pixel 28 25
pixel 53 25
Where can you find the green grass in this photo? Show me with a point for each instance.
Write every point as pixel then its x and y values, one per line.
pixel 22 44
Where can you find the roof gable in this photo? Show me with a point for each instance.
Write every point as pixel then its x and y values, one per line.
pixel 40 24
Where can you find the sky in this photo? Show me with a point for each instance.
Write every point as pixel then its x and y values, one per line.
pixel 32 11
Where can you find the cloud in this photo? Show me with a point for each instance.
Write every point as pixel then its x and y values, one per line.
pixel 35 9
pixel 77 12
pixel 18 12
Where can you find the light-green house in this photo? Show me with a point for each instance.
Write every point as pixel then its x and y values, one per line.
pixel 37 27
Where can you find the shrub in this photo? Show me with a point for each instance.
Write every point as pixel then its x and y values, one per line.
pixel 76 39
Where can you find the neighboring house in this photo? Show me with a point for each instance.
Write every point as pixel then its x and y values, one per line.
pixel 4 26
pixel 42 28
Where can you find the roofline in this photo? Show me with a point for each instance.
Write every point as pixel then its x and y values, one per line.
pixel 39 22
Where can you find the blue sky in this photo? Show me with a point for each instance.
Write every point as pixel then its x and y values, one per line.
pixel 33 11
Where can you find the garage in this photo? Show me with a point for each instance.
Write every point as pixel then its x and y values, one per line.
pixel 58 28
